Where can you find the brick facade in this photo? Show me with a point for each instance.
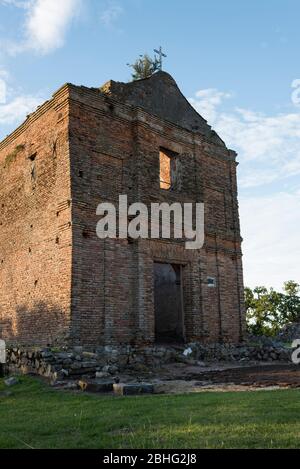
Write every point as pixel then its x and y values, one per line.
pixel 61 283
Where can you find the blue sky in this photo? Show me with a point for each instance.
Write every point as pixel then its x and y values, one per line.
pixel 237 62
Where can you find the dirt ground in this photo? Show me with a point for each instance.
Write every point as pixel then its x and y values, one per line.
pixel 180 378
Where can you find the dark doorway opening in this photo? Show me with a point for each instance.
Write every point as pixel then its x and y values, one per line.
pixel 168 304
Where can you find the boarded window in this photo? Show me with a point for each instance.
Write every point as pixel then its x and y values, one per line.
pixel 168 166
pixel 165 170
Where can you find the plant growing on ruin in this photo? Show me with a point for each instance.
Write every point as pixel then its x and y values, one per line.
pixel 11 157
pixel 144 67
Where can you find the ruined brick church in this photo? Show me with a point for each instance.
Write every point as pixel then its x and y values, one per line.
pixel 60 283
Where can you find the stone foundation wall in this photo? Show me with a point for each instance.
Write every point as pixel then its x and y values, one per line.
pixel 76 362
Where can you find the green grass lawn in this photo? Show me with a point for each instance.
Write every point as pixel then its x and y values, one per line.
pixel 39 417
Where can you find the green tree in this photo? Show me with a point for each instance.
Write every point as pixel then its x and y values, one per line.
pixel 144 67
pixel 289 307
pixel 267 311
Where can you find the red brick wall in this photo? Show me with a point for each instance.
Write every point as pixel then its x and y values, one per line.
pixel 35 234
pixel 115 150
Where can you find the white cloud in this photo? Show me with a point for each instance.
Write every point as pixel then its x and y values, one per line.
pixel 206 102
pixel 14 106
pixel 3 88
pixel 17 109
pixel 270 226
pixel 46 24
pixel 111 13
pixel 296 93
pixel 269 152
pixel 17 3
pixel 268 146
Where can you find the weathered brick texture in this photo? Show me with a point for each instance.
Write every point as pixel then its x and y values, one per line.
pixel 59 282
pixel 36 234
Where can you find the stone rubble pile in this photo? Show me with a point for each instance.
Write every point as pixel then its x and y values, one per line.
pixel 109 361
pixel 289 333
pixel 259 351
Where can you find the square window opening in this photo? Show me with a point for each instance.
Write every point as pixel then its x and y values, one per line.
pixel 167 168
pixel 211 282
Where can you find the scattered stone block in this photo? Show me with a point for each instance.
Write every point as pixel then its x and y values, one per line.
pixel 111 369
pixel 96 385
pixel 102 374
pixel 65 385
pixel 123 389
pixel 89 355
pixel 202 364
pixel 188 351
pixel 11 381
